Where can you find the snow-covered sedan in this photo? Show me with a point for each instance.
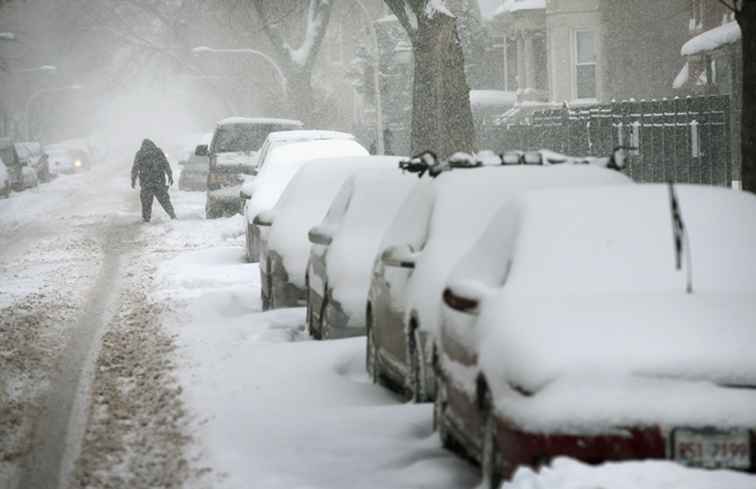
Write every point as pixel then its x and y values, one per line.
pixel 343 249
pixel 62 160
pixel 604 324
pixel 282 163
pixel 275 140
pixel 233 154
pixel 434 227
pixel 195 169
pixel 304 203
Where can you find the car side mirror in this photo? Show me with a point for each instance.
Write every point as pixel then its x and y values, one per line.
pixel 264 218
pixel 320 235
pixel 402 256
pixel 464 296
pixel 201 150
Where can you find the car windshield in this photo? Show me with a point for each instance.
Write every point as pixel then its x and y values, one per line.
pixel 242 137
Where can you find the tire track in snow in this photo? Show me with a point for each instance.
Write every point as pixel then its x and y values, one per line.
pixel 58 431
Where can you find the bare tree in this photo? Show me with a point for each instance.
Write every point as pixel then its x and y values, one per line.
pixel 441 115
pixel 296 62
pixel 745 14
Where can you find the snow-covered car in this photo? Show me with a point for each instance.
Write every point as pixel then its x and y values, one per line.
pixel 304 203
pixel 434 227
pixel 21 175
pixel 273 141
pixel 604 323
pixel 233 154
pixel 31 154
pixel 63 160
pixel 343 249
pixel 282 163
pixel 194 169
pixel 5 187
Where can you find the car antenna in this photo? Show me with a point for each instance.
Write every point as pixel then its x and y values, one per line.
pixel 681 241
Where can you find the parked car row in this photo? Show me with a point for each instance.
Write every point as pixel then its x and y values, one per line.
pixel 547 305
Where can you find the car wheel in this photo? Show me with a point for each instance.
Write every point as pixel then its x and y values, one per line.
pixel 415 380
pixel 371 355
pixel 439 416
pixel 490 457
pixel 323 333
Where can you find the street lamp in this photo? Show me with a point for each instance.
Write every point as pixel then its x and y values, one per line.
pixel 39 93
pixel 376 78
pixel 254 52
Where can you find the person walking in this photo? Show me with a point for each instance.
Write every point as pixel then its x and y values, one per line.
pixel 151 167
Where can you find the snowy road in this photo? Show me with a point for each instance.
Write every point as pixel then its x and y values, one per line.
pixel 137 356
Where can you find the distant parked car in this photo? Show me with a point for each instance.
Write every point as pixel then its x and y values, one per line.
pixel 304 203
pixel 344 248
pixel 434 227
pixel 282 163
pixel 604 323
pixel 233 154
pixel 22 176
pixel 64 160
pixel 273 141
pixel 31 154
pixel 5 187
pixel 194 170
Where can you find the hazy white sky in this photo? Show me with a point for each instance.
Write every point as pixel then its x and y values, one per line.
pixel 487 7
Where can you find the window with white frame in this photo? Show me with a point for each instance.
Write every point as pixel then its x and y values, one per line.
pixel 585 65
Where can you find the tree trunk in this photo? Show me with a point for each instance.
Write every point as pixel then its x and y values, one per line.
pixel 441 117
pixel 747 20
pixel 300 102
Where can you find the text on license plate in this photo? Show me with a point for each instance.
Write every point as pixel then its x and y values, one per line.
pixel 713 449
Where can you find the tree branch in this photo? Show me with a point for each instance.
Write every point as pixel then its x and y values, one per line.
pixel 406 13
pixel 731 6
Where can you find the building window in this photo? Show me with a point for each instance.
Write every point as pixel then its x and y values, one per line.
pixel 585 65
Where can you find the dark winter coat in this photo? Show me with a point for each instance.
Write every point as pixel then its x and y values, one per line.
pixel 150 166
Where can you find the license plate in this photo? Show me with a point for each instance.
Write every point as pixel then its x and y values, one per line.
pixel 713 449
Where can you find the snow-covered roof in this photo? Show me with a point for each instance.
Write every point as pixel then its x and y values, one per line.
pixel 259 120
pixel 712 39
pixel 304 204
pixel 284 162
pixel 510 6
pixel 492 99
pixel 308 135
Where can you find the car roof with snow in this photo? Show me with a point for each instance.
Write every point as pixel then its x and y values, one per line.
pixel 305 202
pixel 259 120
pixel 578 278
pixel 307 135
pixel 359 215
pixel 444 217
pixel 284 162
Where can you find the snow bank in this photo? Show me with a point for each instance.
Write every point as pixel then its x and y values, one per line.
pixel 284 162
pixel 376 196
pixel 565 473
pixel 305 202
pixel 492 99
pixel 510 6
pixel 455 213
pixel 591 286
pixel 712 39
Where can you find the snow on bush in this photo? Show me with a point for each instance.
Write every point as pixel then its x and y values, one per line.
pixel 448 215
pixel 375 196
pixel 284 162
pixel 305 202
pixel 592 298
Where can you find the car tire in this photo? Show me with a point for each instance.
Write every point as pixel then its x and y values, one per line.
pixel 415 387
pixel 490 456
pixel 439 417
pixel 323 330
pixel 371 354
